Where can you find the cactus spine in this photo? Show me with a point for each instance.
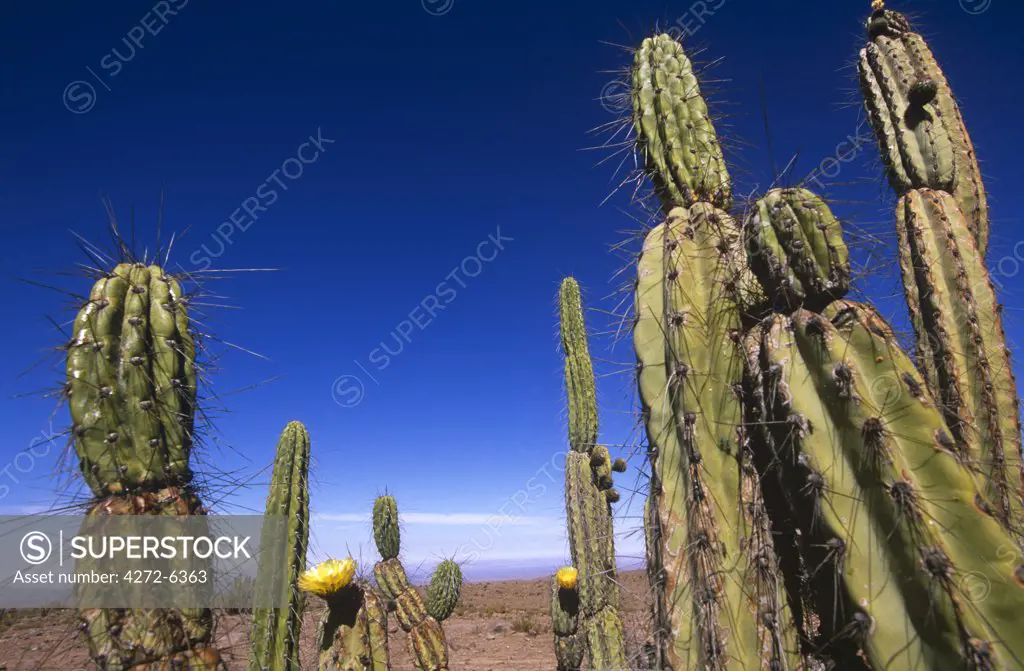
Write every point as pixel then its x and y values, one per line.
pixel 942 222
pixel 588 495
pixel 131 387
pixel 275 631
pixel 421 621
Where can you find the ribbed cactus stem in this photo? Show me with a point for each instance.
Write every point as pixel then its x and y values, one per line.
pixel 131 382
pixel 444 590
pixel 889 516
pixel 386 532
pixel 961 344
pixel 921 133
pixel 796 249
pixel 719 606
pixel 581 394
pixel 131 387
pixel 675 137
pixel 275 631
pixel 589 494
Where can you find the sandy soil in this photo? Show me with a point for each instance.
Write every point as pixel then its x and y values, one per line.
pixel 499 626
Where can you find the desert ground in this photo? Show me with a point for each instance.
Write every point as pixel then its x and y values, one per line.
pixel 498 626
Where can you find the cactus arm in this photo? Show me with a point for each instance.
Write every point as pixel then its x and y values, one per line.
pixel 925 153
pixel 674 133
pixel 795 248
pixel 920 129
pixel 275 631
pixel 962 345
pixel 580 389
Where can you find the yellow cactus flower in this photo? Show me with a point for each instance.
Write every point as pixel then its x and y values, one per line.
pixel 328 577
pixel 567 577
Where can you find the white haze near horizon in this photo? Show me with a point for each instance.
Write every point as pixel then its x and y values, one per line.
pixel 487 546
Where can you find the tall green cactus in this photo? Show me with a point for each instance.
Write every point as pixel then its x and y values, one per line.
pixel 275 631
pixel 942 222
pixel 718 600
pixel 131 387
pixel 589 494
pixel 421 621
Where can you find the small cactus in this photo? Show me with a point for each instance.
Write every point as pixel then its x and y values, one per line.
pixel 565 619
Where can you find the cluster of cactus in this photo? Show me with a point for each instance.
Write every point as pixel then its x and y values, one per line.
pixel 353 632
pixel 421 621
pixel 131 389
pixel 816 500
pixel 585 608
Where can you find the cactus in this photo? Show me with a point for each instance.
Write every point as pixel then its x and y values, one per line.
pixel 942 222
pixel 889 515
pixel 131 387
pixel 132 382
pixel 565 617
pixel 718 600
pixel 352 634
pixel 275 631
pixel 811 505
pixel 444 590
pixel 920 130
pixel 588 495
pixel 421 621
pixel 674 134
pixel 795 248
pixel 962 348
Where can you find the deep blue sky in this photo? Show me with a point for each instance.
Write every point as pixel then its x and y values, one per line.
pixel 446 129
